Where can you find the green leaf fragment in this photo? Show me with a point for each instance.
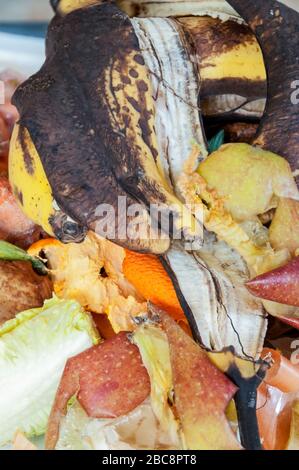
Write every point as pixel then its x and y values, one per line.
pixel 216 142
pixel 9 252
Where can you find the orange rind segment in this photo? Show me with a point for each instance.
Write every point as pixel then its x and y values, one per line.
pixel 149 277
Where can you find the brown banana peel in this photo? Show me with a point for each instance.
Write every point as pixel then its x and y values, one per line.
pixel 276 28
pixel 228 56
pixel 107 121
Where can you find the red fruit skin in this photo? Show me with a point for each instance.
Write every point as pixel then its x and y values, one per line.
pixel 109 380
pixel 294 322
pixel 202 392
pixel 280 285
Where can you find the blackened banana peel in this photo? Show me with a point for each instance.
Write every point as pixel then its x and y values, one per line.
pixel 92 124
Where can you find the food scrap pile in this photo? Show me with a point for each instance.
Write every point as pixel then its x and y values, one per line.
pixel 140 341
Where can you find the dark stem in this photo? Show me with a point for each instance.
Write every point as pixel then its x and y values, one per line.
pixel 246 399
pixel 246 402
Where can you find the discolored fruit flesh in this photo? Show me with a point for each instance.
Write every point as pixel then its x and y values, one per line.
pixel 284 229
pixel 238 173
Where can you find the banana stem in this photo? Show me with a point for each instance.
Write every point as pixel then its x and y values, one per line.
pixel 246 402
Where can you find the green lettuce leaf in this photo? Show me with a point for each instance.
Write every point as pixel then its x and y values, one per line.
pixel 34 348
